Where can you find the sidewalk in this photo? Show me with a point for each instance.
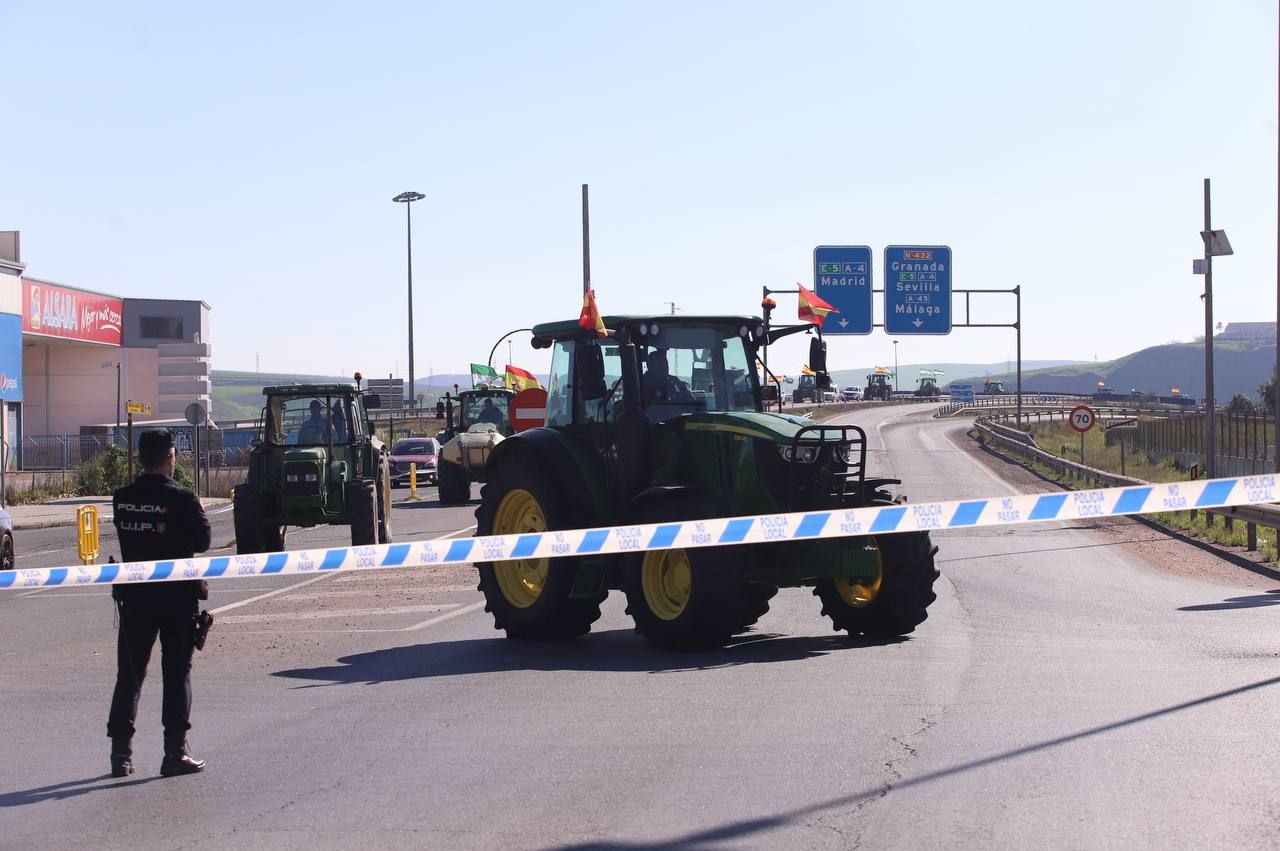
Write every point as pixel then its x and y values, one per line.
pixel 62 512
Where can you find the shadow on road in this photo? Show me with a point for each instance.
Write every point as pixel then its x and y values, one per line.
pixel 70 789
pixel 728 834
pixel 1267 598
pixel 612 650
pixel 426 503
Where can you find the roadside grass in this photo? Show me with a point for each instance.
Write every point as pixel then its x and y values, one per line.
pixel 1058 438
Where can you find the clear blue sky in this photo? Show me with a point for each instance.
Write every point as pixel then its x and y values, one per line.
pixel 246 154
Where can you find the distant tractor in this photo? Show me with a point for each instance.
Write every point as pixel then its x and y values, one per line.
pixel 928 384
pixel 483 421
pixel 316 462
pixel 806 390
pixel 662 422
pixel 993 388
pixel 878 385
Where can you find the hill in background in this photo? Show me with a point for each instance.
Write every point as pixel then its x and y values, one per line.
pixel 1237 368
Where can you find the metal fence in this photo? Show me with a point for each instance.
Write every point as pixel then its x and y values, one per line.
pixel 44 452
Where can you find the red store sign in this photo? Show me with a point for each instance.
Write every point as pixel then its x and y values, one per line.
pixel 56 311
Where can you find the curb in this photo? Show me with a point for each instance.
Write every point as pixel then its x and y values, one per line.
pixel 58 523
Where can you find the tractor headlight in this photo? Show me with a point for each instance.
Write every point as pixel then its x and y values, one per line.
pixel 842 454
pixel 801 454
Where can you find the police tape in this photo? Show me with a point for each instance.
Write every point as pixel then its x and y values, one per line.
pixel 725 531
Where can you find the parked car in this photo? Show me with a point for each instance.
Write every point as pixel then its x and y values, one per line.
pixel 7 561
pixel 422 451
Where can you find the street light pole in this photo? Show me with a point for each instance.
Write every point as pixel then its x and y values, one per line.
pixel 407 198
pixel 117 397
pixel 895 368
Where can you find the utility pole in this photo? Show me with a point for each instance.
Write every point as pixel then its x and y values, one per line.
pixel 1210 430
pixel 586 245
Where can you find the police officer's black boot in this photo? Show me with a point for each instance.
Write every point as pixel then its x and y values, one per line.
pixel 121 758
pixel 177 761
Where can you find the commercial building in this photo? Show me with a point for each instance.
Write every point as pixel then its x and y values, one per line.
pixel 71 358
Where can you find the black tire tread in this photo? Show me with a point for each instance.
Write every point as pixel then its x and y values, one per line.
pixel 905 594
pixel 245 511
pixel 362 506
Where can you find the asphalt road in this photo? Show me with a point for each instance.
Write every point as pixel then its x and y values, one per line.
pixel 1064 693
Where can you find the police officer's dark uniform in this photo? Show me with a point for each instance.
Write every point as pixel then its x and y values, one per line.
pixel 155 518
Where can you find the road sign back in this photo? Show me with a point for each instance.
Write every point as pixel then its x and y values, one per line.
pixel 842 278
pixel 917 289
pixel 528 409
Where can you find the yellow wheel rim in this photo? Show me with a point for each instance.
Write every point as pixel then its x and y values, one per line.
pixel 521 582
pixel 667 581
pixel 862 593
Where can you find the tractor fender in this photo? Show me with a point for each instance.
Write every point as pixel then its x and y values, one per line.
pixel 577 474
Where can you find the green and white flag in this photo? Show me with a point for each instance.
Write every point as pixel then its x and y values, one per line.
pixel 481 374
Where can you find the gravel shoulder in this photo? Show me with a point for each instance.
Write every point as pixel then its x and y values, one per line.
pixel 1160 547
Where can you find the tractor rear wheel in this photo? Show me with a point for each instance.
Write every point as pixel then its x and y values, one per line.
pixel 453 487
pixel 245 515
pixel 362 508
pixel 892 603
pixel 684 599
pixel 529 598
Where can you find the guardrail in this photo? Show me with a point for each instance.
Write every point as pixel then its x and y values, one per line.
pixel 1024 444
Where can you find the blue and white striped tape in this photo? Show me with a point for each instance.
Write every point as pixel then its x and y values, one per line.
pixel 766 528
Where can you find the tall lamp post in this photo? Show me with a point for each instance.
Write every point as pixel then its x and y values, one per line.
pixel 895 367
pixel 407 198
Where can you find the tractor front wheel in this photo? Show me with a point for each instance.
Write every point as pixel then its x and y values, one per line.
pixel 684 599
pixel 530 598
pixel 362 508
pixel 893 602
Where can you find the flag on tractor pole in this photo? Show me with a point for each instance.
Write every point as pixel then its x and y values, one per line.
pixel 481 374
pixel 804 370
pixel 590 316
pixel 812 308
pixel 519 379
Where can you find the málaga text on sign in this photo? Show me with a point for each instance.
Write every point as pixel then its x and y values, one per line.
pixel 917 289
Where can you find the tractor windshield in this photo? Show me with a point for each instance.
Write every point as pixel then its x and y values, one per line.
pixel 308 420
pixel 686 369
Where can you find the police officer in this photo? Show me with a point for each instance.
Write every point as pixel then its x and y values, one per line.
pixel 155 519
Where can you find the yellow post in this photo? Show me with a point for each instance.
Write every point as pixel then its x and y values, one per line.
pixel 413 482
pixel 87 533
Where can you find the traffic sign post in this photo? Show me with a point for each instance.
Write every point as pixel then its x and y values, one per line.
pixel 842 278
pixel 133 407
pixel 917 289
pixel 1082 419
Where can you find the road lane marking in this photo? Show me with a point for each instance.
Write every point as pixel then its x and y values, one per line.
pixel 305 582
pixel 448 616
pixel 274 617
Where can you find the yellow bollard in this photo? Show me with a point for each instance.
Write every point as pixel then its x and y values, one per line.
pixel 87 533
pixel 413 483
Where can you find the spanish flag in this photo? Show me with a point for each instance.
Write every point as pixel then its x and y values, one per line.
pixel 519 379
pixel 590 316
pixel 812 308
pixel 804 370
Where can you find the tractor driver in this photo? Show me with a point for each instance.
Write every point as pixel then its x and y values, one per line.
pixel 659 384
pixel 313 430
pixel 489 413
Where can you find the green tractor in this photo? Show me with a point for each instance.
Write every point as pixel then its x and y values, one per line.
pixel 316 461
pixel 662 421
pixel 483 421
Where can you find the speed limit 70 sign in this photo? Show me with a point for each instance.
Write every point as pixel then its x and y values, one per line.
pixel 1083 418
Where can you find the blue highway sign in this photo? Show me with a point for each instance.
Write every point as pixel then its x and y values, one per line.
pixel 842 278
pixel 917 289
